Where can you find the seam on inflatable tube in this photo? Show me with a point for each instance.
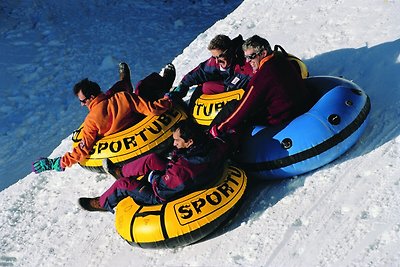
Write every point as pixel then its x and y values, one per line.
pixel 316 150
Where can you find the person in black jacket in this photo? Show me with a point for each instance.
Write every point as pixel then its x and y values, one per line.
pixel 225 70
pixel 194 163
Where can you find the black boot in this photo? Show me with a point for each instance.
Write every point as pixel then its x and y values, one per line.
pixel 169 74
pixel 91 204
pixel 112 168
pixel 125 75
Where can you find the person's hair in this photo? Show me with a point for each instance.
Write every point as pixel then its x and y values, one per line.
pixel 189 130
pixel 257 43
pixel 87 87
pixel 221 42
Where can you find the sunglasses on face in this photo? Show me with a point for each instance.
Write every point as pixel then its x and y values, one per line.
pixel 222 55
pixel 251 56
pixel 83 101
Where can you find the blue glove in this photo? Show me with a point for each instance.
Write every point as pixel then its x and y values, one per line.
pixel 46 164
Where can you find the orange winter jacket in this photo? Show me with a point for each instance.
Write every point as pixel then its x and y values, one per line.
pixel 111 114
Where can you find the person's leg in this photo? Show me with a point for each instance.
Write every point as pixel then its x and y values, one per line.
pixel 125 77
pixel 144 194
pixel 124 83
pixel 155 85
pixel 169 74
pixel 145 164
pixel 118 191
pixel 120 86
pixel 140 191
pixel 213 87
pixel 152 87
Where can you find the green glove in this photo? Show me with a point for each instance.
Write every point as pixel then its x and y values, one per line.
pixel 46 164
pixel 179 91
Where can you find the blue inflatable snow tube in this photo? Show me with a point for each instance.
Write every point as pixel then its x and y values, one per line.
pixel 319 136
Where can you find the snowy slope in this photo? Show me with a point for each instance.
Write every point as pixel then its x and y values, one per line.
pixel 48 46
pixel 344 214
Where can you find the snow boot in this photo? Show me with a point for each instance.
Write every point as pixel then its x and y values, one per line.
pixel 169 74
pixel 91 204
pixel 125 75
pixel 112 168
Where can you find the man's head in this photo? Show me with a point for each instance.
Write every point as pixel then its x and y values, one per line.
pixel 187 133
pixel 255 49
pixel 221 49
pixel 86 91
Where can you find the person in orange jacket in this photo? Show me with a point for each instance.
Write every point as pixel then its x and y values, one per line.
pixel 107 115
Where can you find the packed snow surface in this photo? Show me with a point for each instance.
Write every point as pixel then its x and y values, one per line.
pixel 346 213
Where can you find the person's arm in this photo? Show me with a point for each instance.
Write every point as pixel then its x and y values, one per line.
pixel 89 135
pixel 204 72
pixel 252 98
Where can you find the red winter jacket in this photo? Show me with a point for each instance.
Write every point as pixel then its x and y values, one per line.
pixel 190 169
pixel 275 94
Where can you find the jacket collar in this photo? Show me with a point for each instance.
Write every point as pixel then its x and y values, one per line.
pixel 97 100
pixel 265 60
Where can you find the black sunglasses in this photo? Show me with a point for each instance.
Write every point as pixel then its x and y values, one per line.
pixel 83 101
pixel 251 56
pixel 222 55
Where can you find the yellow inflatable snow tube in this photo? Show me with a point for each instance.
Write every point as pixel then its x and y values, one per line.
pixel 150 134
pixel 184 220
pixel 207 106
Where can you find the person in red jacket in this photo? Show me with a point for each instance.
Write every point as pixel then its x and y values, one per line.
pixel 195 162
pixel 275 94
pixel 107 115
